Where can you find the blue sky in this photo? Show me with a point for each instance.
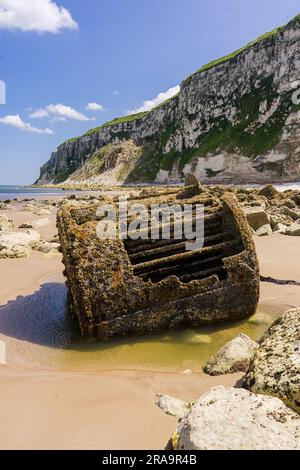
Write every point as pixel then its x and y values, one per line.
pixel 115 53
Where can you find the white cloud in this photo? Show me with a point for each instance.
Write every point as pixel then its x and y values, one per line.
pixel 39 114
pixel 60 112
pixel 117 92
pixel 35 15
pixel 150 104
pixel 15 120
pixel 94 107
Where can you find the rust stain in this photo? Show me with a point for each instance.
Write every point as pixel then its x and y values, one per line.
pixel 117 279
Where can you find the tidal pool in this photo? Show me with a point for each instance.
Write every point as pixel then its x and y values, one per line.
pixel 184 349
pixel 37 335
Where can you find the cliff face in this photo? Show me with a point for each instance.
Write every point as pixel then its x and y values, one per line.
pixel 233 121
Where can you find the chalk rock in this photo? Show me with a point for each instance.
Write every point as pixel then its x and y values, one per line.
pixel 235 356
pixel 173 407
pixel 264 231
pixel 5 223
pixel 294 229
pixel 269 192
pixel 7 207
pixel 275 369
pixel 192 337
pixel 292 213
pixel 257 217
pixel 42 212
pixel 30 207
pixel 236 419
pixel 41 223
pixel 47 247
pixel 280 228
pixel 18 244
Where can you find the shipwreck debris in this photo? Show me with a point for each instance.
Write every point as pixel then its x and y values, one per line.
pixel 121 287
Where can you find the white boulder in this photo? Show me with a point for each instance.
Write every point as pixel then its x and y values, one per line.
pixel 235 356
pixel 235 419
pixel 18 244
pixel 264 231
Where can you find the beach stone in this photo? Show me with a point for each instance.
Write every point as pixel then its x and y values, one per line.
pixel 55 239
pixel 47 247
pixel 235 356
pixel 26 226
pixel 257 217
pixel 42 212
pixel 18 244
pixel 296 199
pixel 275 369
pixel 6 207
pixel 14 251
pixel 294 229
pixel 193 338
pixel 41 223
pixel 280 228
pixel 269 192
pixel 29 207
pixel 236 419
pixel 6 224
pixel 172 407
pixel 290 204
pixel 264 231
pixel 261 318
pixel 294 214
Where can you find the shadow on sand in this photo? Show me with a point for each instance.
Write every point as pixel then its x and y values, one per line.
pixel 39 318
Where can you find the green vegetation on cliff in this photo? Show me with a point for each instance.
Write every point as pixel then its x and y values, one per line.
pixel 236 53
pixel 255 126
pixel 116 121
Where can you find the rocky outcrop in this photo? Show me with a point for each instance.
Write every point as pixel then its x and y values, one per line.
pixel 235 356
pixel 269 211
pixel 234 120
pixel 275 369
pixel 235 419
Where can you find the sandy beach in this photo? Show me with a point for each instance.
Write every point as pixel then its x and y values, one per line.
pixel 51 399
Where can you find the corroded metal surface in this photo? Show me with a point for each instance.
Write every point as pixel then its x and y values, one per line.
pixel 121 287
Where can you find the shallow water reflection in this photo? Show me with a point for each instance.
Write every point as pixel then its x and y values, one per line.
pixel 38 335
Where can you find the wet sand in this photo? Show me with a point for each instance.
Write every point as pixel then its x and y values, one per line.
pixel 54 398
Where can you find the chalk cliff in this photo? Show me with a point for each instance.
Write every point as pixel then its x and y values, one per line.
pixel 234 120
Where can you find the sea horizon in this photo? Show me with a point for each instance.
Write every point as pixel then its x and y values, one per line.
pixel 12 191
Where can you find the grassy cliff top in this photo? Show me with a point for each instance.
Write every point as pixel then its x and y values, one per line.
pixel 114 122
pixel 236 53
pixel 210 65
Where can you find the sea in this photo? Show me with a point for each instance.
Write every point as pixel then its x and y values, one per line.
pixel 12 192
